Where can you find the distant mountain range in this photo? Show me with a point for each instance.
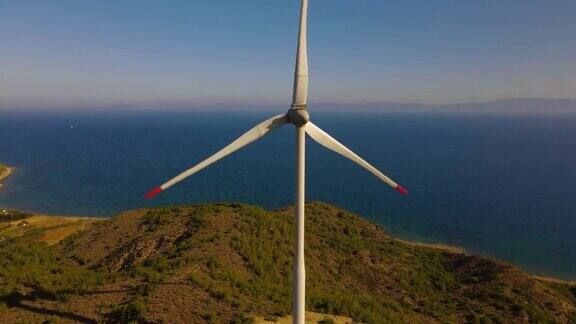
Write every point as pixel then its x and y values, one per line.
pixel 515 105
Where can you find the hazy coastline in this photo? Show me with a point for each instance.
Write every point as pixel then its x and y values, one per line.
pixel 5 172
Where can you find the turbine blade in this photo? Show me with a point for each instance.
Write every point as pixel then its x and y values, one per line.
pixel 330 143
pixel 260 130
pixel 300 91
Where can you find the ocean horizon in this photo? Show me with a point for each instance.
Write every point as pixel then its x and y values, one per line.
pixel 499 185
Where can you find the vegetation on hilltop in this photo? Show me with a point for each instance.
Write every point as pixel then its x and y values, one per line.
pixel 230 262
pixel 36 266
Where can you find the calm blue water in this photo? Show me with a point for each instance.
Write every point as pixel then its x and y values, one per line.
pixel 498 185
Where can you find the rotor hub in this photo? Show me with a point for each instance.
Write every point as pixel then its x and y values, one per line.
pixel 298 115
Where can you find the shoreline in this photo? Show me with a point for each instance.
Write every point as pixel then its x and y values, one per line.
pixel 5 174
pixel 60 216
pixel 460 250
pixel 438 246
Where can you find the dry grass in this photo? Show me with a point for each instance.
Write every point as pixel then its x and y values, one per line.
pixel 55 228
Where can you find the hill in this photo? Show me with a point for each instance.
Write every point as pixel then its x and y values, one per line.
pixel 233 262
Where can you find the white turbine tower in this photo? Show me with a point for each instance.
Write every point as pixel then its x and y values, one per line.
pixel 298 116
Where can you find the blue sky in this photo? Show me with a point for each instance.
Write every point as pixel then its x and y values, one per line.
pixel 70 53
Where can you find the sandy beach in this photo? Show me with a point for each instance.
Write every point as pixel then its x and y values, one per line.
pixel 5 174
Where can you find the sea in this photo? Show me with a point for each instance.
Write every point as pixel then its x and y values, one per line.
pixel 499 185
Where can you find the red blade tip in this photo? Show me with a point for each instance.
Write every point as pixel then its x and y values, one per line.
pixel 153 193
pixel 401 190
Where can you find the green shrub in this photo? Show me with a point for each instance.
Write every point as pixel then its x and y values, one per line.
pixel 133 311
pixel 156 218
pixel 13 215
pixel 326 321
pixel 37 266
pixel 242 319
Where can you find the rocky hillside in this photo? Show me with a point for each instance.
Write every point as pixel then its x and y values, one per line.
pixel 232 262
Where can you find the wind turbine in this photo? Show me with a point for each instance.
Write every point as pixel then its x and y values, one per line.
pixel 298 116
